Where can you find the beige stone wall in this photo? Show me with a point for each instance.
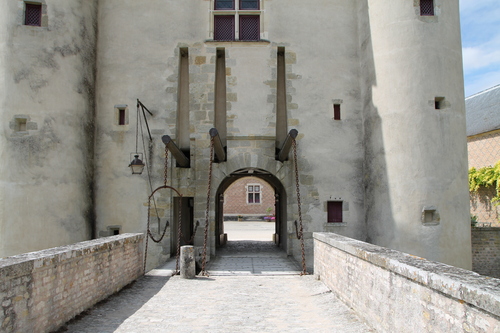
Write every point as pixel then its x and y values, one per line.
pixel 380 158
pixel 486 251
pixel 40 291
pixel 47 83
pixel 397 292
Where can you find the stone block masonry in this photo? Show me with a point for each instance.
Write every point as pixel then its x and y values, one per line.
pixel 398 292
pixel 486 251
pixel 40 291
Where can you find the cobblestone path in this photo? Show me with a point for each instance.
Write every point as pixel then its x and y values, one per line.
pixel 266 296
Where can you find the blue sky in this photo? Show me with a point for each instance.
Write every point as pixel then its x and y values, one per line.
pixel 480 20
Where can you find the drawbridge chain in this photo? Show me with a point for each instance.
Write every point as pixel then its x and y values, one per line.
pixel 300 232
pixel 179 218
pixel 203 271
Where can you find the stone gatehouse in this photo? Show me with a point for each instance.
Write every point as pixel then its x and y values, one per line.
pixel 374 89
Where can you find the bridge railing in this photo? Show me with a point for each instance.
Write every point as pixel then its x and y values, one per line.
pixel 40 291
pixel 397 292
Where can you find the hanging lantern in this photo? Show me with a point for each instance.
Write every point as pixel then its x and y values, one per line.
pixel 137 165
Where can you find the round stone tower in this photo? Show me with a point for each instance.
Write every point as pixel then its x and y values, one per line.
pixel 417 199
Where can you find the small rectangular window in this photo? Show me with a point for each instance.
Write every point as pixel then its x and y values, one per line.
pixel 439 103
pixel 249 4
pixel 249 27
pixel 121 117
pixel 224 27
pixel 224 4
pixel 336 111
pixel 253 194
pixel 21 125
pixel 33 14
pixel 334 211
pixel 427 7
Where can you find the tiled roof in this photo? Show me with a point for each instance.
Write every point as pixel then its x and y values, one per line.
pixel 483 111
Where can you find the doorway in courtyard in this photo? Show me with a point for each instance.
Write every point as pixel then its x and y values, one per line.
pixel 251 207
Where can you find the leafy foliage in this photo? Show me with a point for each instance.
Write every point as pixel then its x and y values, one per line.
pixel 486 176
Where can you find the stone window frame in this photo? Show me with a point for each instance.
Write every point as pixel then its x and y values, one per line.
pixel 115 125
pixel 21 124
pixel 237 12
pixel 253 192
pixel 121 108
pixel 430 216
pixel 337 109
pixel 22 11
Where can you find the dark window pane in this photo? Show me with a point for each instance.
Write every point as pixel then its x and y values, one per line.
pixel 249 27
pixel 257 197
pixel 224 4
pixel 249 4
pixel 33 15
pixel 121 117
pixel 427 7
pixel 224 27
pixel 336 111
pixel 250 197
pixel 334 211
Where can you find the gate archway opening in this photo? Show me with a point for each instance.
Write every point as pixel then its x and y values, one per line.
pixel 252 194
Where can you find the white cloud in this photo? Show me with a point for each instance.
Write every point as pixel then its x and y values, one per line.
pixel 480 57
pixel 480 21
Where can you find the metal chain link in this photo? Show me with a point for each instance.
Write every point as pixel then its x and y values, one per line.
pixel 190 241
pixel 165 170
pixel 301 228
pixel 203 271
pixel 149 233
pixel 179 230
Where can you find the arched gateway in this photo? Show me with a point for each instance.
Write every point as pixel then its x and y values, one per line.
pixel 279 203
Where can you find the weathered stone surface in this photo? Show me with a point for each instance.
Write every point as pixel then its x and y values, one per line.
pixel 486 251
pixel 51 286
pixel 391 289
pixel 187 262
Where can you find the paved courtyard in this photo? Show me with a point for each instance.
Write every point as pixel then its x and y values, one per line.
pixel 252 287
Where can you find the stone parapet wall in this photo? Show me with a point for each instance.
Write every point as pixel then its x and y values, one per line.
pixel 398 292
pixel 486 251
pixel 40 291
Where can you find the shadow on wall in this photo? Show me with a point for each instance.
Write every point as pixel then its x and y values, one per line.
pixel 378 208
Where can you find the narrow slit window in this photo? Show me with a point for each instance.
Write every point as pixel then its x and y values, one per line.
pixel 121 117
pixel 427 7
pixel 33 14
pixel 336 111
pixel 334 211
